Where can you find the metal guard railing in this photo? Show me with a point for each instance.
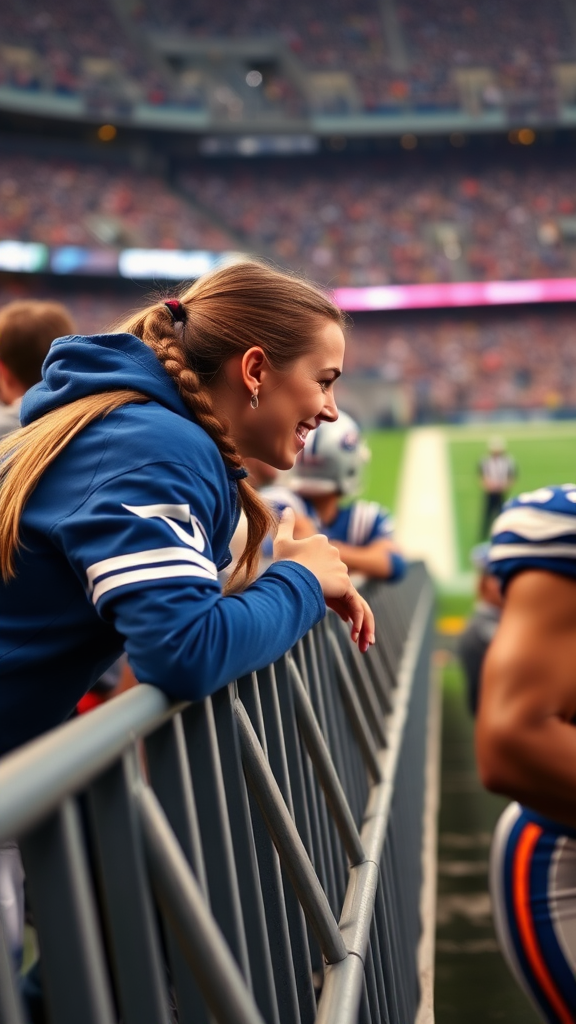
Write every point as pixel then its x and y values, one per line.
pixel 253 857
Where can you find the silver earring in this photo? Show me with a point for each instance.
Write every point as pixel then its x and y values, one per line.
pixel 254 400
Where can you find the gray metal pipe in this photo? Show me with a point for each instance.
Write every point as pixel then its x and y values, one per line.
pixel 287 841
pixel 40 775
pixel 327 775
pixel 181 900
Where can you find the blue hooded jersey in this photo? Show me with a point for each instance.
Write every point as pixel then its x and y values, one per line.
pixel 121 543
pixel 536 530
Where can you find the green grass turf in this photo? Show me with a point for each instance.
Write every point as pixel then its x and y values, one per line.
pixel 545 454
pixel 448 605
pixel 383 472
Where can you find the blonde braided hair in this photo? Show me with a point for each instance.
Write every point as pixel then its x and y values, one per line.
pixel 259 517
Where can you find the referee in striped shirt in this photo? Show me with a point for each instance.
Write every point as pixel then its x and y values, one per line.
pixel 497 472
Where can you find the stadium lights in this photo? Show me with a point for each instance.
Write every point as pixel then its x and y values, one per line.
pixel 522 136
pixel 107 132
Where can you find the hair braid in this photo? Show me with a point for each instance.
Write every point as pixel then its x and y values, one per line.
pixel 171 353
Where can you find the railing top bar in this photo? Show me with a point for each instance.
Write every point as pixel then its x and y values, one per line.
pixel 38 776
pixel 336 1005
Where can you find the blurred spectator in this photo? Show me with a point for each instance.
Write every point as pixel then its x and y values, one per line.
pixel 27 329
pixel 482 625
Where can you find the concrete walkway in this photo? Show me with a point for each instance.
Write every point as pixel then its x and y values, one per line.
pixel 425 519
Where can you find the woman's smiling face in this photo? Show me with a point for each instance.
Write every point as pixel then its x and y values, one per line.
pixel 294 401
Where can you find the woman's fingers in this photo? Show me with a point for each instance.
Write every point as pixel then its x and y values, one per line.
pixel 351 607
pixel 367 636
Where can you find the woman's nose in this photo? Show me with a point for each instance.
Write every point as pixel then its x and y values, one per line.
pixel 330 410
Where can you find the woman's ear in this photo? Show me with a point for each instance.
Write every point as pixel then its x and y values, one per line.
pixel 253 367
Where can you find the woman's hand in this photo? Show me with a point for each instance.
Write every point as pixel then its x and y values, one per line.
pixel 323 560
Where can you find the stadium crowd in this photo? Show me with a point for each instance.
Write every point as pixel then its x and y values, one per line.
pixel 108 60
pixel 519 41
pixel 72 49
pixel 374 222
pixel 452 363
pixel 342 222
pixel 71 203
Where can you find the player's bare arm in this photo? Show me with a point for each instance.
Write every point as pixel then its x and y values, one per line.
pixel 371 559
pixel 526 742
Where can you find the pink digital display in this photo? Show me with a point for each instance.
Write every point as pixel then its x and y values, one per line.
pixel 461 293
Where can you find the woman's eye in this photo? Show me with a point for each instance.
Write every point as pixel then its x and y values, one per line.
pixel 325 384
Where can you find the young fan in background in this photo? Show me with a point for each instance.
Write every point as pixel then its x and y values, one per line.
pixel 27 329
pixel 327 475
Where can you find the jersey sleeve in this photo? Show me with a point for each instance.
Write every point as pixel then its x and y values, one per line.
pixel 536 530
pixel 143 546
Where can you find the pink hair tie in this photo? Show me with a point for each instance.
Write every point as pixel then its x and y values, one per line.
pixel 176 309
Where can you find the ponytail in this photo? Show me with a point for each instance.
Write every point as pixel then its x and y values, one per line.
pixel 26 454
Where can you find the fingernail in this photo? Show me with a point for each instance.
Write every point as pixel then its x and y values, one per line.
pixel 355 634
pixel 371 639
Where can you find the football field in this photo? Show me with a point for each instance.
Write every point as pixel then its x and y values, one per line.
pixel 545 453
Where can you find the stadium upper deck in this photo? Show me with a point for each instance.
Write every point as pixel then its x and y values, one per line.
pixel 514 60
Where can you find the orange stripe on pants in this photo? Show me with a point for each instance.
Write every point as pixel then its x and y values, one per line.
pixel 524 920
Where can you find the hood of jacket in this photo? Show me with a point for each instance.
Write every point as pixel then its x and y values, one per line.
pixel 77 366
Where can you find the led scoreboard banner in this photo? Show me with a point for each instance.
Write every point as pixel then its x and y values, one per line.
pixel 182 265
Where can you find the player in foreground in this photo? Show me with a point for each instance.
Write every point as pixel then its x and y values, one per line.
pixel 526 744
pixel 119 498
pixel 328 471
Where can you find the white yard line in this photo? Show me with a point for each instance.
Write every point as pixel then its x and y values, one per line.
pixel 425 521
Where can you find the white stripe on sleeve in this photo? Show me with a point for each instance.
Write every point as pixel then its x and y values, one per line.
pixel 534 523
pixel 172 554
pixel 160 572
pixel 501 551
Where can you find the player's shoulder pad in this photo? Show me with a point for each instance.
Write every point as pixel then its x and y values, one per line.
pixel 536 530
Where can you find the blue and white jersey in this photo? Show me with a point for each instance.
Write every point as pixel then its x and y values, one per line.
pixel 360 523
pixel 536 530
